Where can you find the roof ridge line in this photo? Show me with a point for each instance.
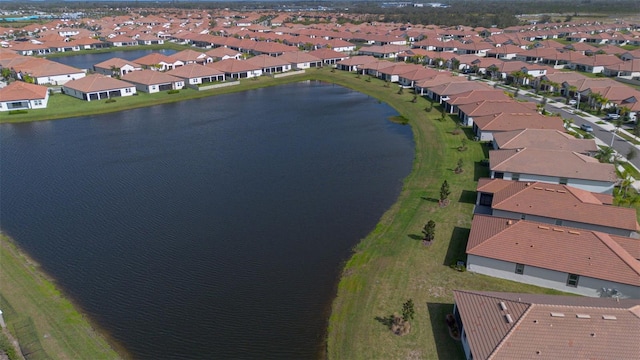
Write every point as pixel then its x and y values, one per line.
pixel 513 328
pixel 619 251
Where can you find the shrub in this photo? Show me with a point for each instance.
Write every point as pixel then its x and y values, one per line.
pixel 16 112
pixel 174 91
pixel 110 101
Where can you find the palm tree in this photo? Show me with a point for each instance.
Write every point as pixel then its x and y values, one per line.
pixel 605 154
pixel 493 71
pixel 517 75
pixel 570 90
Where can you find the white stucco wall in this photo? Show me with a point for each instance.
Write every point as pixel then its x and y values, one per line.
pixel 546 278
pixel 59 79
pixel 588 185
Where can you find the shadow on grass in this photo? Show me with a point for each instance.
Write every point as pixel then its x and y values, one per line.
pixel 386 321
pixel 415 236
pixel 467 197
pixel 457 246
pixel 446 346
pixel 468 132
pixel 430 199
pixel 480 169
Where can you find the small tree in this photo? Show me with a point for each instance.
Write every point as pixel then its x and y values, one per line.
pixel 407 310
pixel 429 231
pixel 444 193
pixel 463 144
pixel 458 168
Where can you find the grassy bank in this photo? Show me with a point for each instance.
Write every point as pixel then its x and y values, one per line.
pixel 44 322
pixel 392 265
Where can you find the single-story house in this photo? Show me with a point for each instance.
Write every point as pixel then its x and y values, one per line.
pixel 486 127
pixel 555 204
pixel 354 63
pixel 20 95
pixel 157 61
pixel 270 64
pixel 150 81
pixel 543 139
pixel 236 69
pixel 328 56
pixel 301 60
pixel 195 74
pixel 468 112
pixel 552 256
pixel 116 67
pixel 497 325
pixel 98 87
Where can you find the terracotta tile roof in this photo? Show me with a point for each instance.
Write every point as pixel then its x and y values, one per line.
pixel 557 201
pixel 610 332
pixel 149 77
pixel 38 67
pixel 19 90
pixel 556 163
pixel 420 73
pixel 358 60
pixel 327 54
pixel 458 87
pixel 298 57
pixel 233 66
pixel 517 121
pixel 117 62
pixel 191 71
pixel 569 250
pixel 220 52
pixel 95 83
pixel 439 79
pixel 543 139
pixel 399 68
pixel 266 61
pixel 190 55
pixel 155 58
pixel 490 107
pixel 475 96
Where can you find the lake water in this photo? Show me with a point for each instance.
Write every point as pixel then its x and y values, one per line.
pixel 210 228
pixel 86 61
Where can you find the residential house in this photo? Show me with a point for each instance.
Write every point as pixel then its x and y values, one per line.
pixel 555 204
pixel 150 81
pixel 467 112
pixel 189 56
pixel 626 70
pixel 486 127
pixel 553 256
pixel 43 71
pixel 121 40
pixel 423 87
pixel 116 67
pixel 159 62
pixel 495 325
pixel 355 63
pixel 409 78
pixel 554 167
pixel 472 97
pixel 594 64
pixel 20 95
pixel 270 64
pixel 328 56
pixel 384 51
pixel 442 92
pixel 237 69
pixel 224 53
pixel 543 139
pixel 392 73
pixel 300 60
pixel 196 74
pixel 98 87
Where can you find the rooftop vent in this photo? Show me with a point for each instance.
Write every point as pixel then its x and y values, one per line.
pixel 503 306
pixel 558 230
pixel 583 316
pixel 509 319
pixel 509 222
pixel 574 232
pixel 557 314
pixel 543 227
pixel 608 317
pixel 547 189
pixel 538 188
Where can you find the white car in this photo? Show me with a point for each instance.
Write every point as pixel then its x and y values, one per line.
pixel 573 102
pixel 613 116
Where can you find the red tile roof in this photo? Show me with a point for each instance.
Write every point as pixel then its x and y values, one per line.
pixel 95 83
pixel 19 90
pixel 610 332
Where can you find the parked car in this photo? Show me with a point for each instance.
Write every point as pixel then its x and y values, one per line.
pixel 573 102
pixel 613 116
pixel 586 127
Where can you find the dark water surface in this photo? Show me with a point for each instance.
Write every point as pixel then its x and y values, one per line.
pixel 211 228
pixel 86 61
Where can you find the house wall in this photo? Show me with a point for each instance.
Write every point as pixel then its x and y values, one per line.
pixel 546 278
pixel 128 91
pixel 58 79
pixel 588 185
pixel 26 104
pixel 552 221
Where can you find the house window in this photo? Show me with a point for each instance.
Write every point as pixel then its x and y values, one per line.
pixel 127 90
pixel 37 102
pixel 523 217
pixel 519 269
pixel 558 222
pixel 515 177
pixel 572 280
pixel 564 181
